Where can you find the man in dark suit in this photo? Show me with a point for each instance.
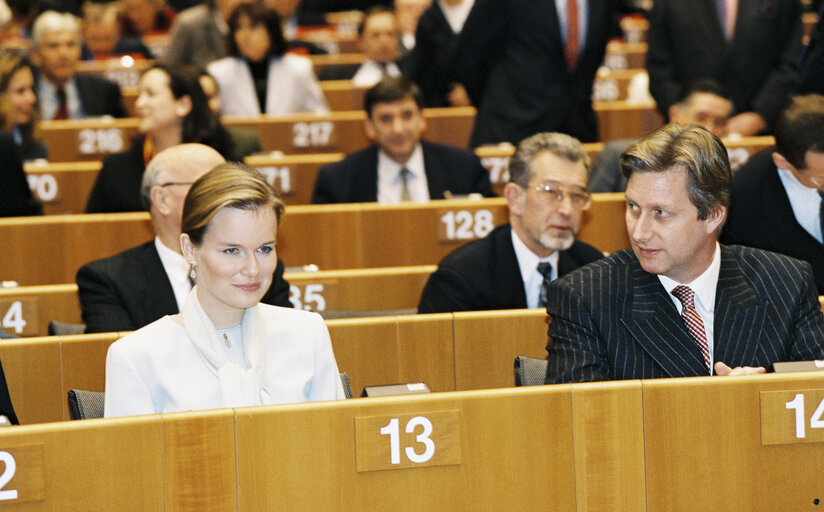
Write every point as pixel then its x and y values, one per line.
pixel 511 267
pixel 399 166
pixel 529 68
pixel 776 201
pixel 61 91
pixel 140 285
pixel 752 51
pixel 679 304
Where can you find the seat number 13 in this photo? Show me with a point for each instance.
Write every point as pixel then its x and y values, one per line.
pixel 392 430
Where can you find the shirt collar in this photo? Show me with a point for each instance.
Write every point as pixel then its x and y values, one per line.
pixel 704 285
pixel 390 169
pixel 173 262
pixel 528 260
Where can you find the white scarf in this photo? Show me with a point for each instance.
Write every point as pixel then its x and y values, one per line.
pixel 239 386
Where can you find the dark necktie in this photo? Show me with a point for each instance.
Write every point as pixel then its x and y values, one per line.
pixel 62 104
pixel 405 195
pixel 545 269
pixel 693 321
pixel 571 49
pixel 821 212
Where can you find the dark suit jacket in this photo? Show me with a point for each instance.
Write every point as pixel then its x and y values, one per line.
pixel 611 320
pixel 510 58
pixel 756 68
pixel 811 64
pixel 484 275
pixel 6 408
pixel 99 97
pixel 16 198
pixel 131 289
pixel 761 216
pixel 117 186
pixel 355 178
pixel 428 63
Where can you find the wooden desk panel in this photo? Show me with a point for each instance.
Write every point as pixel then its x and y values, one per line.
pixel 500 468
pixel 625 120
pixel 293 175
pixel 62 188
pixel 704 450
pixel 33 375
pixel 487 343
pixel 38 306
pixel 96 464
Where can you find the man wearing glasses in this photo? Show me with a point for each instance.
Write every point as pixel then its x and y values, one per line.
pixel 680 304
pixel 140 285
pixel 776 197
pixel 511 267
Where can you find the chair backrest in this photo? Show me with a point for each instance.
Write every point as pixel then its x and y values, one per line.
pixel 529 371
pixel 347 386
pixel 84 404
pixel 58 328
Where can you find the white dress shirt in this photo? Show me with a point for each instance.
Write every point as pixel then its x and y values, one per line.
pixel 456 14
pixel 704 287
pixel 177 270
pixel 390 184
pixel 561 6
pixel 370 73
pixel 528 265
pixel 805 202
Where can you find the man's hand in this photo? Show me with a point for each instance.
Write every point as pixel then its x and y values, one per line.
pixel 723 369
pixel 746 124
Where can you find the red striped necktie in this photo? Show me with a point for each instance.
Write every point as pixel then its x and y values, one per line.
pixel 693 320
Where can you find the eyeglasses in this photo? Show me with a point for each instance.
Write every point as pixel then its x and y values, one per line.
pixel 173 183
pixel 554 194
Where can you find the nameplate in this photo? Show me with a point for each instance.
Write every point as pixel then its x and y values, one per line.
pixel 100 141
pixel 316 296
pixel 792 417
pixel 408 441
pixel 44 186
pixel 464 224
pixel 21 474
pixel 280 178
pixel 314 134
pixel 19 316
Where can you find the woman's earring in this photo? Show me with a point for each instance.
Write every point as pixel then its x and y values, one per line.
pixel 192 271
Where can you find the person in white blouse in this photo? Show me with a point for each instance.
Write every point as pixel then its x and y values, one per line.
pixel 258 77
pixel 225 348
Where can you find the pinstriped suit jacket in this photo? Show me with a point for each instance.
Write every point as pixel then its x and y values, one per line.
pixel 612 320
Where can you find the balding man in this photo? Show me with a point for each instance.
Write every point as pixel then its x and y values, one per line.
pixel 140 285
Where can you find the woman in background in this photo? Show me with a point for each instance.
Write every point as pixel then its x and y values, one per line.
pixel 258 76
pixel 17 105
pixel 172 110
pixel 225 349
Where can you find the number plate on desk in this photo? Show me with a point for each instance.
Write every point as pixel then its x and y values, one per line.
pixel 21 474
pixel 408 440
pixel 790 417
pixel 19 316
pixel 463 224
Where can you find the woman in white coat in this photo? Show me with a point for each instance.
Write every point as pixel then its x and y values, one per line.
pixel 224 349
pixel 258 77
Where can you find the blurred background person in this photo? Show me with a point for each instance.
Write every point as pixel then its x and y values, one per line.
pixel 18 105
pixel 246 141
pixel 407 14
pixel 198 34
pixel 428 63
pixel 225 348
pixel 16 199
pixel 140 18
pixel 258 76
pixel 102 37
pixel 172 109
pixel 62 92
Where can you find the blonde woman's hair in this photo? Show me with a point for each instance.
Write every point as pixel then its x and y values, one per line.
pixel 229 185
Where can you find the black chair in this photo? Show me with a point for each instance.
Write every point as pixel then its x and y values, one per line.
pixel 347 386
pixel 529 371
pixel 57 328
pixel 84 404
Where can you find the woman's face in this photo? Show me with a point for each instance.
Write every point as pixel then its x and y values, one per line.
pixel 157 107
pixel 252 39
pixel 21 97
pixel 235 262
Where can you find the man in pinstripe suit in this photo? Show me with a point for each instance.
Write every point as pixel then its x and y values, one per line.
pixel 619 318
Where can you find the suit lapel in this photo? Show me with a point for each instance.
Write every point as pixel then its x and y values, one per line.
pixel 436 180
pixel 508 279
pixel 158 292
pixel 653 322
pixel 737 310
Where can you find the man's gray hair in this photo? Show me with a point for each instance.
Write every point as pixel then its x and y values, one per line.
pixel 151 176
pixel 559 144
pixel 53 21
